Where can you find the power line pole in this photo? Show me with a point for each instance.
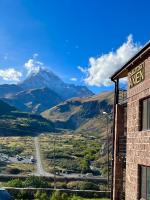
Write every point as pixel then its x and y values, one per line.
pixel 108 151
pixel 107 120
pixel 54 167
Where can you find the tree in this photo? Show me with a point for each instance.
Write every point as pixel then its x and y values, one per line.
pixel 84 165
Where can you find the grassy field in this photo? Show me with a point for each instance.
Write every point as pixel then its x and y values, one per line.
pixel 74 153
pixel 80 154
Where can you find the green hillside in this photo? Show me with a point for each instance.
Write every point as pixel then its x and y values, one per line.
pixel 14 122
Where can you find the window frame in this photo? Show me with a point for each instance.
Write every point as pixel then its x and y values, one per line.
pixel 140 180
pixel 141 114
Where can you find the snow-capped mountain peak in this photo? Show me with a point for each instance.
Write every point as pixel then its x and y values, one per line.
pixel 46 78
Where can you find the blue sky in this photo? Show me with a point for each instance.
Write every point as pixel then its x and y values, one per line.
pixel 74 38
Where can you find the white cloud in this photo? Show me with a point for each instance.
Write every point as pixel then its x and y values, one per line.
pixel 10 74
pixel 101 68
pixel 33 65
pixel 83 70
pixel 73 79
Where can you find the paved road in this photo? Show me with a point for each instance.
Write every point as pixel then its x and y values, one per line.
pixel 40 170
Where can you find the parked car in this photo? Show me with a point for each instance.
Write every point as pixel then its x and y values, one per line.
pixel 19 158
pixel 32 159
pixel 89 175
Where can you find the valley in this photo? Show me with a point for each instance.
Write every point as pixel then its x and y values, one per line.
pixel 55 131
pixel 74 155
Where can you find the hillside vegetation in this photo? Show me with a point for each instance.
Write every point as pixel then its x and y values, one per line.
pixel 14 122
pixel 80 113
pixel 84 134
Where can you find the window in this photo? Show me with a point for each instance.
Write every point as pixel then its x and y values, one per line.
pixel 145 114
pixel 144 183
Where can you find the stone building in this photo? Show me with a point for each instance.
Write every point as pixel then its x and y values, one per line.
pixel 131 156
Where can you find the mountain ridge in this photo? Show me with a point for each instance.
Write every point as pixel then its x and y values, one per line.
pixel 46 78
pixel 34 100
pixel 75 112
pixel 23 96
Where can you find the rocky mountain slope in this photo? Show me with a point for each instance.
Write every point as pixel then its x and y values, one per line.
pixel 46 78
pixel 34 100
pixel 81 113
pixel 39 91
pixel 7 90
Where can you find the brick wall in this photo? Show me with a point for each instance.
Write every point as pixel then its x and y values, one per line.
pixel 138 142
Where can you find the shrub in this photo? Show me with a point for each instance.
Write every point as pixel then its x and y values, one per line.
pixel 57 195
pixel 88 186
pixel 14 183
pixel 64 196
pixel 61 185
pixel 73 185
pixel 34 181
pixel 23 195
pixel 41 196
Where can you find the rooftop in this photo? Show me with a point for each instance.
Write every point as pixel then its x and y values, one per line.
pixel 140 55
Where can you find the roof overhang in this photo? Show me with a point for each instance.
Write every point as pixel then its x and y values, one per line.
pixel 123 71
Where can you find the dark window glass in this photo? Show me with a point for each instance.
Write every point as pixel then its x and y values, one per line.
pixel 148 183
pixel 125 121
pixel 146 114
pixel 145 183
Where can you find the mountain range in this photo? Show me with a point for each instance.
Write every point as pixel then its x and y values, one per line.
pixel 77 115
pixel 44 102
pixel 41 90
